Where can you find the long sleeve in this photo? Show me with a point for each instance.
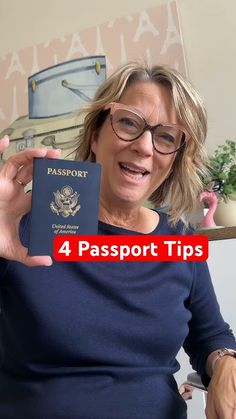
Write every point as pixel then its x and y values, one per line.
pixel 207 329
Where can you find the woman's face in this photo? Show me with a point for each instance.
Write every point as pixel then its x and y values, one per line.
pixel 131 171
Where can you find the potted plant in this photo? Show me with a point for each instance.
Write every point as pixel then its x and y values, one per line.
pixel 222 180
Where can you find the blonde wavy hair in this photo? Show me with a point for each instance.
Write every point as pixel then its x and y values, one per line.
pixel 180 191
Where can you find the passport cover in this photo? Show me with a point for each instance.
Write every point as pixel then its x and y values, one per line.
pixel 65 200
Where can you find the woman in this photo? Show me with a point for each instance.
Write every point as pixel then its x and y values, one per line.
pixel 99 340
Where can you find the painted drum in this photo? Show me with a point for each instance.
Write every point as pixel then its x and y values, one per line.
pixel 58 132
pixel 65 87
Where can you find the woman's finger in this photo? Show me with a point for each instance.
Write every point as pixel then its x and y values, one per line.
pixel 53 154
pixel 38 260
pixel 15 162
pixel 25 173
pixel 24 158
pixel 23 257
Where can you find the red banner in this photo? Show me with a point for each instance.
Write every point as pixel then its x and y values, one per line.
pixel 130 248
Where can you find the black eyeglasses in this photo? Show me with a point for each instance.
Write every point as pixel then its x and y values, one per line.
pixel 215 185
pixel 128 125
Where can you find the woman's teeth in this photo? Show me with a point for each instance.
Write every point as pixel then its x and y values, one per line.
pixel 135 173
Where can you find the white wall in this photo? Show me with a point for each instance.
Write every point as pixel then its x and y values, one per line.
pixel 209 33
pixel 208 30
pixel 27 22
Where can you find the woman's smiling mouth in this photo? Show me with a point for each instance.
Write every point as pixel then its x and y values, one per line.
pixel 133 171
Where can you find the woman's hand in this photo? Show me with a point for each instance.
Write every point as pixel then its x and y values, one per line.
pixel 14 202
pixel 221 398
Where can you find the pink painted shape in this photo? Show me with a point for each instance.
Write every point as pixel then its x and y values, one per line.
pixel 211 200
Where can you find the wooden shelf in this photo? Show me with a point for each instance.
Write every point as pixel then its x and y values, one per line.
pixel 218 233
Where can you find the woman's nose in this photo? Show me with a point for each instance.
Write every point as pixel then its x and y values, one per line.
pixel 143 145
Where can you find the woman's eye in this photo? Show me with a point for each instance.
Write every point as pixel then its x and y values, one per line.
pixel 167 137
pixel 128 122
pixel 164 136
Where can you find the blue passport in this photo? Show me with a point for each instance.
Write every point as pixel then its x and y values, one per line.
pixel 65 200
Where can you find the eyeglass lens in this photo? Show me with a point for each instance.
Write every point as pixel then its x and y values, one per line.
pixel 215 185
pixel 129 126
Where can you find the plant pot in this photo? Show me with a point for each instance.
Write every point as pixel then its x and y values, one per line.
pixel 225 214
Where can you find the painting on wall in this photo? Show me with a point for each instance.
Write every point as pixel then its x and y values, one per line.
pixel 152 35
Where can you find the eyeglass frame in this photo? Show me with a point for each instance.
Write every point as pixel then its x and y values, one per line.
pixel 217 185
pixel 112 106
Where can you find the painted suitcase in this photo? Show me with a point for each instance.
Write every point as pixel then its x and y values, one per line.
pixel 65 87
pixel 59 132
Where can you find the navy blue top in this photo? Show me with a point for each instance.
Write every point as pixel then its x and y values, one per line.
pixel 98 340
